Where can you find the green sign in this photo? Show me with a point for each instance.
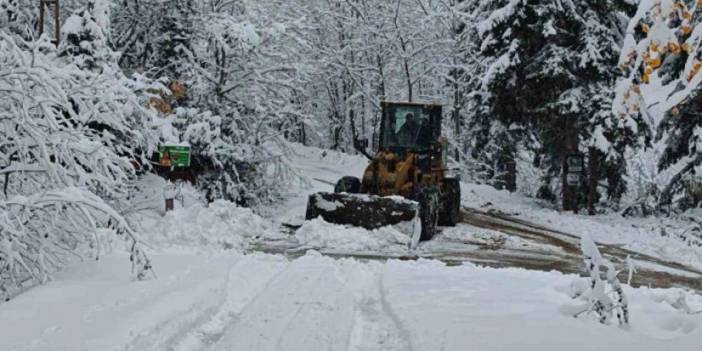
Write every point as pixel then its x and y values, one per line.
pixel 174 156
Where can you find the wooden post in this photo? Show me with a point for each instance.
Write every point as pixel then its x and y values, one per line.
pixel 169 194
pixel 57 22
pixel 573 171
pixel 593 174
pixel 571 167
pixel 169 205
pixel 41 17
pixel 43 4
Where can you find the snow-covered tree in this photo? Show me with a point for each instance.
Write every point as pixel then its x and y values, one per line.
pixel 19 17
pixel 658 96
pixel 175 37
pixel 604 293
pixel 155 36
pixel 86 37
pixel 68 140
pixel 548 86
pixel 241 86
pixel 459 68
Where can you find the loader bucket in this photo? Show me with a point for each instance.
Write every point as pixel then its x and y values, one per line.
pixel 367 211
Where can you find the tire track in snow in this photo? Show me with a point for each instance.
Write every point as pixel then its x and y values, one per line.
pixel 279 346
pixel 267 303
pixel 404 333
pixel 243 288
pixel 203 323
pixel 162 336
pixel 374 328
pixel 306 307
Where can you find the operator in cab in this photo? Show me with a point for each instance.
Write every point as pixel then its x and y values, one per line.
pixel 412 132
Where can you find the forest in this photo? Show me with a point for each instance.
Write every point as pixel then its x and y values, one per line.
pixel 524 84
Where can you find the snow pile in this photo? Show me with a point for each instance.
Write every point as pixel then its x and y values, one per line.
pixel 319 234
pixel 149 192
pixel 440 307
pixel 221 224
pixel 328 205
pixel 679 300
pixel 193 223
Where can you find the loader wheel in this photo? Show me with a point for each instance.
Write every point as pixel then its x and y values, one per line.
pixel 451 203
pixel 428 198
pixel 348 184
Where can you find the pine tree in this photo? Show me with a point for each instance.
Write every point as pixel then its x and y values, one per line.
pixel 550 82
pixel 86 34
pixel 663 54
pixel 484 141
pixel 175 40
pixel 156 36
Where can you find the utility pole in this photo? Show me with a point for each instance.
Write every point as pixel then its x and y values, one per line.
pixel 52 5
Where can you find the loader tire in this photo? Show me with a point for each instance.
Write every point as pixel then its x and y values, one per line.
pixel 428 198
pixel 451 203
pixel 348 184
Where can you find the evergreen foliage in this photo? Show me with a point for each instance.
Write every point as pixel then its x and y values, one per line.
pixel 658 97
pixel 548 88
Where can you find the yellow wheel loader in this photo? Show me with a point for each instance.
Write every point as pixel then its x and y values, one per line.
pixel 407 178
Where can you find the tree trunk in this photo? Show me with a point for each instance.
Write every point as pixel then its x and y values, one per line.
pixel 594 171
pixel 569 148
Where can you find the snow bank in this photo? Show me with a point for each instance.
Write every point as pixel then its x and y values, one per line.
pixel 466 307
pixel 220 224
pixel 193 223
pixel 319 234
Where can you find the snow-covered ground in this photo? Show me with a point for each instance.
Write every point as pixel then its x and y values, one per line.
pixel 659 237
pixel 215 291
pixel 229 301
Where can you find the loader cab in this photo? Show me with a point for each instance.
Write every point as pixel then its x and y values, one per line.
pixel 409 127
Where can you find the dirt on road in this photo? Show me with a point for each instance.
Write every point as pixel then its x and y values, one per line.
pixel 539 248
pixel 651 271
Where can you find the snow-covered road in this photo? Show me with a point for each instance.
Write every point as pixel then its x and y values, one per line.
pixel 266 302
pixel 488 235
pixel 216 291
